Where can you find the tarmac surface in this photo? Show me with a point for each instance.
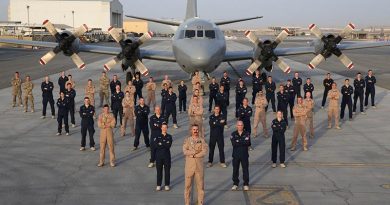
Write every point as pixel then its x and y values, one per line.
pixel 348 166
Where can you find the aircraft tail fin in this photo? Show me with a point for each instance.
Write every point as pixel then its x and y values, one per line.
pixel 192 9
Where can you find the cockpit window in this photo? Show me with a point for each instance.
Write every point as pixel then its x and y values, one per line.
pixel 190 34
pixel 199 33
pixel 210 33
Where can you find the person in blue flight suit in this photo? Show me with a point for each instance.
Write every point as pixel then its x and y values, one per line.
pixel 327 82
pixel 244 114
pixel 221 100
pixel 308 87
pixel 164 93
pixel 155 123
pixel 87 112
pixel 297 82
pixel 116 104
pixel 241 142
pixel 171 107
pixel 47 97
pixel 114 83
pixel 370 89
pixel 347 92
pixel 241 91
pixel 217 123
pixel 225 81
pixel 290 90
pixel 141 123
pixel 139 84
pixel 182 88
pixel 283 100
pixel 63 109
pixel 62 81
pixel 258 80
pixel 163 143
pixel 213 87
pixel 70 94
pixel 270 93
pixel 359 85
pixel 279 127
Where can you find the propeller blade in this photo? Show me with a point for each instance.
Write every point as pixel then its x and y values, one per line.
pixel 77 60
pixel 115 34
pixel 50 28
pixel 283 65
pixel 346 61
pixel 283 35
pixel 316 61
pixel 110 64
pixel 315 30
pixel 80 31
pixel 253 67
pixel 47 57
pixel 141 68
pixel 252 37
pixel 347 30
pixel 147 36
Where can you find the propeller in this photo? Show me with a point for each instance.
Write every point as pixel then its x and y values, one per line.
pixel 330 43
pixel 267 52
pixel 129 51
pixel 65 42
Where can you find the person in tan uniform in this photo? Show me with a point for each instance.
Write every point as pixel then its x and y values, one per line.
pixel 104 83
pixel 71 81
pixel 28 87
pixel 194 149
pixel 151 96
pixel 195 113
pixel 106 124
pixel 300 115
pixel 166 81
pixel 197 94
pixel 195 79
pixel 260 114
pixel 128 114
pixel 16 83
pixel 333 107
pixel 131 89
pixel 308 103
pixel 90 92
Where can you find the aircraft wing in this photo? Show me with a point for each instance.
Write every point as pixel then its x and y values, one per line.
pixel 238 55
pixel 29 43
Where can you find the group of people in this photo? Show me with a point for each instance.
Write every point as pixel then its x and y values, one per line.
pixel 130 108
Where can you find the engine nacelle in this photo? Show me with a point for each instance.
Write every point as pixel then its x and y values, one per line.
pixel 74 46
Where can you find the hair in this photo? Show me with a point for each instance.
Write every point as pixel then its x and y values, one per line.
pixel 164 123
pixel 346 79
pixel 86 98
pixel 369 70
pixel 69 75
pixel 217 106
pixel 328 74
pixel 308 78
pixel 164 84
pixel 69 84
pixel 90 80
pixel 104 72
pixel 213 78
pixel 106 105
pixel 334 83
pixel 288 80
pixel 245 99
pixel 197 83
pixel 281 85
pixel 299 97
pixel 127 92
pixel 140 98
pixel 222 86
pixel 170 87
pixel 296 72
pixel 358 73
pixel 194 125
pixel 16 72
pixel 269 76
pixel 225 71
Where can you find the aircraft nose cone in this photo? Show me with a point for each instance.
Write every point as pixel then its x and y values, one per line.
pixel 201 54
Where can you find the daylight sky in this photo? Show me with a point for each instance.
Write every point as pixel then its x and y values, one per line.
pixel 326 13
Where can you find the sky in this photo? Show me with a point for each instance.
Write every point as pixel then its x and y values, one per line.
pixel 301 13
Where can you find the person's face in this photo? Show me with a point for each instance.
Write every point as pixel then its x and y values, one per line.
pixel 359 76
pixel 127 95
pixel 181 82
pixel 346 82
pixel 225 74
pixel 115 77
pixel 196 92
pixel 328 75
pixel 217 110
pixel 141 101
pixel 299 100
pixel 213 80
pixel 296 75
pixel 245 102
pixel 47 78
pixel 27 79
pixel 62 73
pixel 333 86
pixel 69 86
pixel 257 72
pixel 118 88
pixel 279 115
pixel 261 93
pixel 195 131
pixel 86 101
pixel 89 82
pixel 196 100
pixel 104 74
pixel 269 79
pixel 62 95
pixel 221 89
pixel 281 88
pixel 106 110
pixel 289 83
pixel 308 81
pixel 369 72
pixel 164 128
pixel 16 75
pixel 240 126
pixel 69 77
pixel 150 80
pixel 130 83
pixel 157 110
pixel 170 90
pixel 308 95
pixel 166 77
pixel 241 83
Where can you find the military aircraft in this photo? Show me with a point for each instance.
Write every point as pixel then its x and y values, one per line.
pixel 198 45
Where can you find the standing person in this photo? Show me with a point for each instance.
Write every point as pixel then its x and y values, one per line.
pixel 347 92
pixel 28 87
pixel 370 89
pixel 63 109
pixel 241 91
pixel 283 102
pixel 200 97
pixel 90 92
pixel 213 87
pixel 300 114
pixel 47 97
pixel 128 114
pixel 308 103
pixel 171 107
pixel 16 83
pixel 155 124
pixel 166 81
pixel 139 84
pixel 164 93
pixel 116 103
pixel 279 127
pixel 71 81
pixel 106 123
pixel 195 113
pixel 163 143
pixel 359 85
pixel 244 114
pixel 297 82
pixel 222 100
pixel 87 112
pixel 141 123
pixel 114 83
pixel 70 94
pixel 328 81
pixel 260 114
pixel 62 81
pixel 196 80
pixel 225 81
pixel 151 89
pixel 333 107
pixel 241 141
pixel 258 80
pixel 131 89
pixel 308 87
pixel 217 123
pixel 270 88
pixel 290 90
pixel 199 88
pixel 104 83
pixel 194 149
pixel 182 88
